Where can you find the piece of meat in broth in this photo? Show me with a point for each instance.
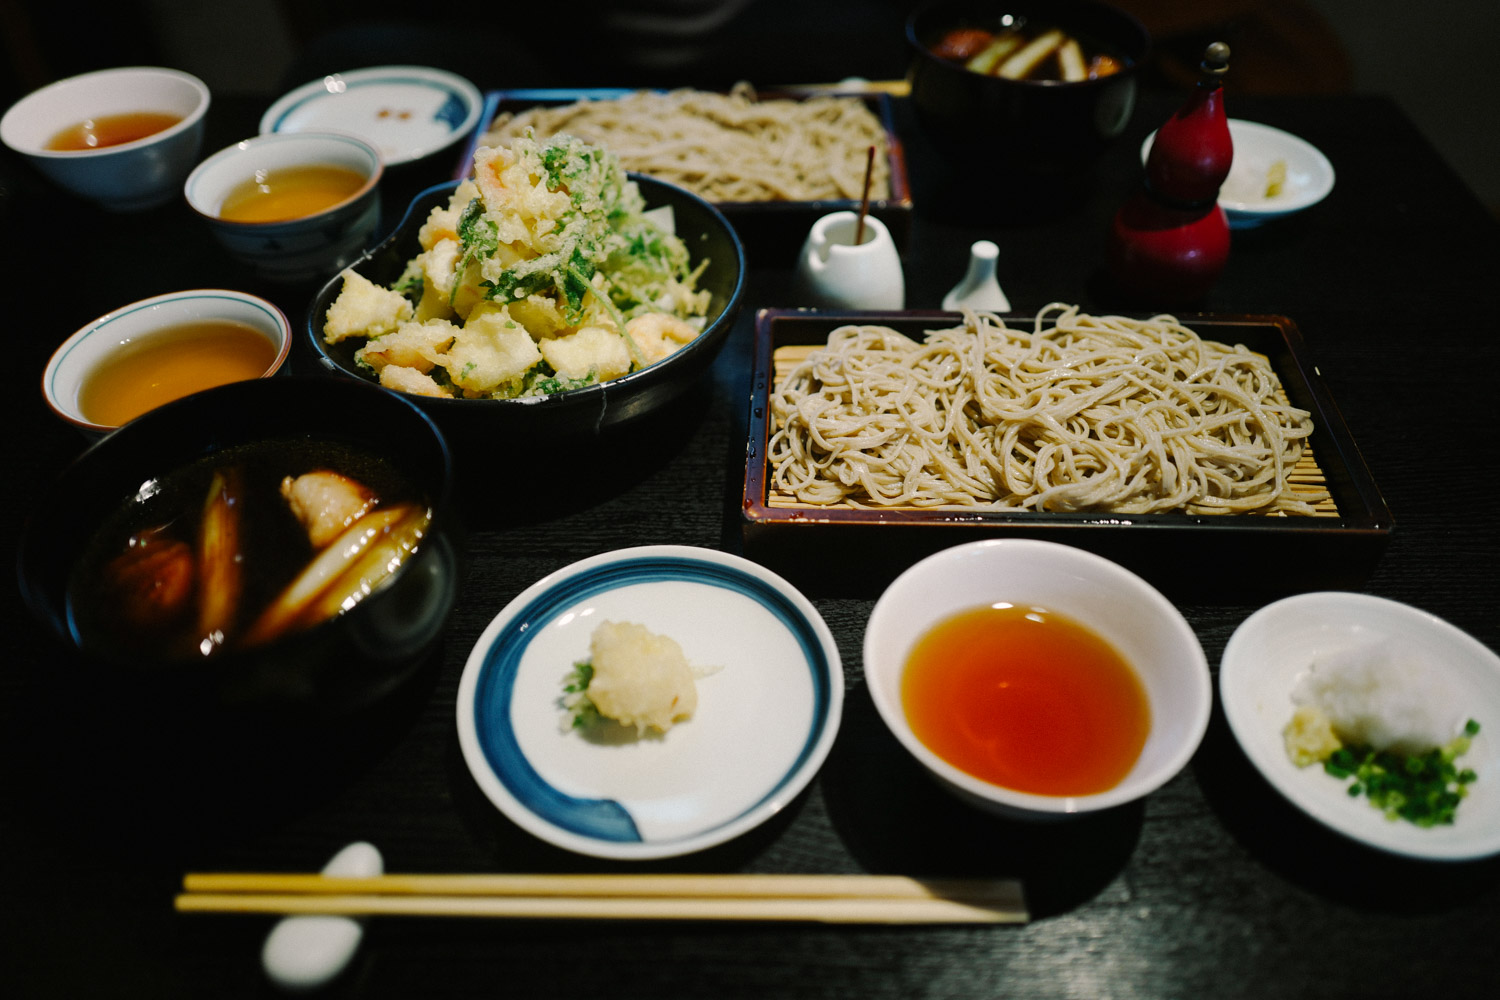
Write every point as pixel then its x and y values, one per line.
pixel 326 503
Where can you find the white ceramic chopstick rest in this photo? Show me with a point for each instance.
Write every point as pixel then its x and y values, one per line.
pixel 304 952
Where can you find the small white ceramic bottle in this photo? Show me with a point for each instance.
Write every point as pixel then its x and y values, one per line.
pixel 980 289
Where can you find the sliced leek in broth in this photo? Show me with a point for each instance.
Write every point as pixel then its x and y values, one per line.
pixel 241 548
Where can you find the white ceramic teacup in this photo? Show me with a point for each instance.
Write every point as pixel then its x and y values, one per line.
pixel 834 272
pixel 105 338
pixel 126 177
pixel 295 250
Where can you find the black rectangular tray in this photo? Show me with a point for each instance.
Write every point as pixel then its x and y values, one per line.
pixel 1175 551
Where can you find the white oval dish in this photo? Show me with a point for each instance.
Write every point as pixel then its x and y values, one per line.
pixel 765 721
pixel 1270 651
pixel 406 112
pixel 1309 175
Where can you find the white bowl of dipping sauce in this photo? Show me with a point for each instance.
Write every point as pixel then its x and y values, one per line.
pixel 1033 720
pixel 151 352
pixel 122 138
pixel 295 207
pixel 1274 174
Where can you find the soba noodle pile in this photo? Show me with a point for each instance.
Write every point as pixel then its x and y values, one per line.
pixel 726 147
pixel 1078 412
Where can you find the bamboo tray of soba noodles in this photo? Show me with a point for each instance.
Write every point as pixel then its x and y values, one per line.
pixel 772 160
pixel 1198 450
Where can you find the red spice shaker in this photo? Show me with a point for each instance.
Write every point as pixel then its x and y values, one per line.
pixel 1169 242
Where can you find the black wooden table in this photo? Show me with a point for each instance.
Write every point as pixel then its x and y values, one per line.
pixel 1212 886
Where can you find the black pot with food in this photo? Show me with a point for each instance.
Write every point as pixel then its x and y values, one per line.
pixel 277 548
pixel 1024 89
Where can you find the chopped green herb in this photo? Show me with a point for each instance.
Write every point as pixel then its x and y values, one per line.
pixel 1424 788
pixel 575 700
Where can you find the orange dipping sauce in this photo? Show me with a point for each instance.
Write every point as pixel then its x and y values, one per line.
pixel 111 130
pixel 290 193
pixel 170 363
pixel 1028 699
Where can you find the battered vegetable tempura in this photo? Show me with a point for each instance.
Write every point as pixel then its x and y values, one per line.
pixel 543 273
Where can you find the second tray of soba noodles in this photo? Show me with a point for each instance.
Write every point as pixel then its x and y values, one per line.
pixel 1189 447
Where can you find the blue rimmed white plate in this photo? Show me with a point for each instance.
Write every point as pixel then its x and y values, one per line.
pixel 767 715
pixel 406 112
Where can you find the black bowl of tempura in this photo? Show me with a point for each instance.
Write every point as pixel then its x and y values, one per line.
pixel 510 308
pixel 273 548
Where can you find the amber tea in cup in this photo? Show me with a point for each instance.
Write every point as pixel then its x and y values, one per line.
pixel 290 193
pixel 111 130
pixel 170 363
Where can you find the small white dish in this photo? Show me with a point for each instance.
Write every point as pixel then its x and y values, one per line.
pixel 1118 606
pixel 1309 175
pixel 406 112
pixel 1266 657
pixel 77 357
pixel 765 721
pixel 130 176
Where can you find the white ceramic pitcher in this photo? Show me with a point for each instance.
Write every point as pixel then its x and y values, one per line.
pixel 832 272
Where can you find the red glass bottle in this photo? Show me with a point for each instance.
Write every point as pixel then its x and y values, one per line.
pixel 1169 242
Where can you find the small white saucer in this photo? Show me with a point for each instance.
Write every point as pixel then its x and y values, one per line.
pixel 1309 175
pixel 1273 647
pixel 406 112
pixel 765 721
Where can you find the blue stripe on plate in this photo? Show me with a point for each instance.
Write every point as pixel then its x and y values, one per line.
pixel 605 819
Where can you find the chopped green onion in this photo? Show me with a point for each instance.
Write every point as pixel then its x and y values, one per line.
pixel 1424 789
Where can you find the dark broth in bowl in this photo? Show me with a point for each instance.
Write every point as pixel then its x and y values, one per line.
pixel 214 556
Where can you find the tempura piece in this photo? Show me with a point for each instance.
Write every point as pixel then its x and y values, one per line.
pixel 410 380
pixel 364 309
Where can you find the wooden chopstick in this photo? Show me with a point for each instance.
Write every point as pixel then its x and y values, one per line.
pixel 818 898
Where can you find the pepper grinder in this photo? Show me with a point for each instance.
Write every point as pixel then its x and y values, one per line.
pixel 1169 242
